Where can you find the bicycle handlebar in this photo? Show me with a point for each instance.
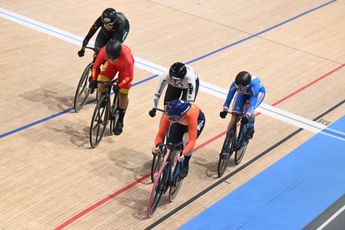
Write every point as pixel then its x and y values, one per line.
pixel 172 146
pixel 161 110
pixel 96 49
pixel 109 83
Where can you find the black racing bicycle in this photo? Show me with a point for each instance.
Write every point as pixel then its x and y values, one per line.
pixel 82 92
pixel 166 178
pixel 158 158
pixel 104 111
pixel 233 143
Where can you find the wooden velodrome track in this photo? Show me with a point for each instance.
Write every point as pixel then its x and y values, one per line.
pixel 49 176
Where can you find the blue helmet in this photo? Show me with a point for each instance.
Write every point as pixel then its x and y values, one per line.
pixel 175 109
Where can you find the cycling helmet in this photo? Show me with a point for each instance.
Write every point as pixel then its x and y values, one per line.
pixel 243 78
pixel 175 109
pixel 113 49
pixel 109 16
pixel 178 71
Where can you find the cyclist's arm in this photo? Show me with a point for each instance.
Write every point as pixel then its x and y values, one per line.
pixel 231 94
pixel 163 128
pixel 120 26
pixel 163 81
pixel 92 31
pixel 100 59
pixel 191 87
pixel 253 100
pixel 192 122
pixel 126 75
pixel 126 72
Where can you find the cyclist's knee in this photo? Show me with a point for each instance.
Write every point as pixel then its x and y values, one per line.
pixel 101 87
pixel 250 133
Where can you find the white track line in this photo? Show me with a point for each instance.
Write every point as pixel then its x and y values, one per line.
pixel 68 37
pixel 209 88
pixel 331 218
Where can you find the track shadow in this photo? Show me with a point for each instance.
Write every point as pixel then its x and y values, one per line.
pixel 78 137
pixel 51 96
pixel 138 201
pixel 138 163
pixel 209 164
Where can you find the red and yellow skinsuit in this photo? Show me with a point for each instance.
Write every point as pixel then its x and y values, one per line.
pixel 124 66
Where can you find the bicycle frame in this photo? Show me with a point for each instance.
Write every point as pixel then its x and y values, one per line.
pixel 174 149
pixel 242 131
pixel 232 143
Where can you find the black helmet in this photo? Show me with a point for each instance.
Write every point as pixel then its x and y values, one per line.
pixel 109 16
pixel 113 49
pixel 243 78
pixel 178 71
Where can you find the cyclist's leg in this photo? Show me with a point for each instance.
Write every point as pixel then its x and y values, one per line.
pixel 200 128
pixel 106 75
pixel 237 108
pixel 175 136
pixel 185 163
pixel 250 128
pixel 122 107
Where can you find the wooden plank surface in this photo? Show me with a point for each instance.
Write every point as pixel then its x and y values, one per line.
pixel 49 174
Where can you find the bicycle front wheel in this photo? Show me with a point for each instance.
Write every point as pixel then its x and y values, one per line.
pixel 157 162
pixel 175 187
pixel 99 120
pixel 158 188
pixel 82 92
pixel 226 152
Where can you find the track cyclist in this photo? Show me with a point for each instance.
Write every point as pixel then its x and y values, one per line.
pixel 248 93
pixel 186 123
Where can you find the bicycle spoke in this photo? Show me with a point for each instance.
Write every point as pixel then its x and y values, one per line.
pixel 82 91
pixel 157 190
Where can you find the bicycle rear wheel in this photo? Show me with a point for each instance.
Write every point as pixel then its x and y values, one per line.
pixel 157 162
pixel 82 92
pixel 175 187
pixel 158 189
pixel 99 121
pixel 114 113
pixel 226 152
